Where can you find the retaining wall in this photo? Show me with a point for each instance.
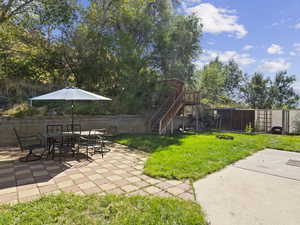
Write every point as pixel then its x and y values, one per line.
pixel 33 125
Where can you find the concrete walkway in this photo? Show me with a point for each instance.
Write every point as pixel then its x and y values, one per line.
pixel 259 190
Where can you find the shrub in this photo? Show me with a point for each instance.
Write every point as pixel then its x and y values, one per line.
pixel 24 109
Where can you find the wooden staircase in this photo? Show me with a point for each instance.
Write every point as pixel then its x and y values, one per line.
pixel 162 120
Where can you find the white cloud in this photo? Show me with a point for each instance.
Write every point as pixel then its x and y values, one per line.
pixel 218 20
pixel 247 47
pixel 209 55
pixel 297 26
pixel 281 22
pixel 274 65
pixel 297 47
pixel 193 1
pixel 188 3
pixel 293 53
pixel 275 49
pixel 199 64
pixel 296 86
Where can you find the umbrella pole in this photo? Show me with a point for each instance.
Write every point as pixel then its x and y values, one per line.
pixel 72 116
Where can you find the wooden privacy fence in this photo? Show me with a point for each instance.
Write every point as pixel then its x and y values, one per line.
pixel 233 119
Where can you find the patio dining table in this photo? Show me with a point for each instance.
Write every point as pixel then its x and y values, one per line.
pixel 49 138
pixel 86 133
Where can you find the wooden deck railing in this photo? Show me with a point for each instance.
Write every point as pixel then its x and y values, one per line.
pixel 173 106
pixel 192 97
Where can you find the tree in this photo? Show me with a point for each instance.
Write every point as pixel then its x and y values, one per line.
pixel 261 93
pixel 282 93
pixel 176 45
pixel 210 80
pixel 119 48
pixel 256 92
pixel 54 11
pixel 123 47
pixel 233 79
pixel 219 82
pixel 12 8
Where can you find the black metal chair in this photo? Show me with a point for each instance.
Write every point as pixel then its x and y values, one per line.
pixel 54 141
pixel 29 143
pixel 64 143
pixel 55 128
pixel 76 128
pixel 68 145
pixel 70 128
pixel 94 142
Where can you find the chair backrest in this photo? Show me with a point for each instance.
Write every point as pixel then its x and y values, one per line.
pixel 72 140
pixel 55 128
pixel 76 127
pixel 96 136
pixel 18 139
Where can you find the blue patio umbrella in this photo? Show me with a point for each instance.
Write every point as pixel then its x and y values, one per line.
pixel 70 94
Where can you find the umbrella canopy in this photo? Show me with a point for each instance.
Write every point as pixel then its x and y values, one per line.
pixel 71 94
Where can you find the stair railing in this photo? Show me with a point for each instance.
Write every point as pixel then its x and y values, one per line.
pixel 165 104
pixel 169 115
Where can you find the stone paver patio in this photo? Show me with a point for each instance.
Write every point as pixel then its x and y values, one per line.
pixel 119 172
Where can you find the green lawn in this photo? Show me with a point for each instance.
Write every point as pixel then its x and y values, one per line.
pixel 194 156
pixel 71 209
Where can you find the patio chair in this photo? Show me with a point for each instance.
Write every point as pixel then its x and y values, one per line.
pixel 68 145
pixel 29 143
pixel 56 142
pixel 65 145
pixel 55 129
pixel 94 142
pixel 76 128
pixel 70 128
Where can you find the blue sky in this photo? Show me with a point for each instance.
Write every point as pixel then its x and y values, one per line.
pixel 261 35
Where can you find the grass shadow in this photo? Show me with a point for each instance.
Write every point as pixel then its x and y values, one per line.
pixel 149 142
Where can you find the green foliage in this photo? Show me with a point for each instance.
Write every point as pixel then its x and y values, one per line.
pixel 195 156
pixel 234 77
pixel 262 93
pixel 211 80
pixel 49 11
pixel 22 110
pixel 219 83
pixel 102 210
pixel 114 48
pixel 256 92
pixel 225 85
pixel 282 93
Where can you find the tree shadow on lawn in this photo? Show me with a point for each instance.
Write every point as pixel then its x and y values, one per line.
pixel 155 143
pixel 149 142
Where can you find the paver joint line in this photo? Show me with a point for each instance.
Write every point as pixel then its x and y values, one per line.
pixel 119 172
